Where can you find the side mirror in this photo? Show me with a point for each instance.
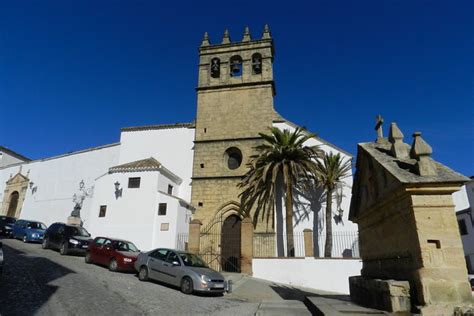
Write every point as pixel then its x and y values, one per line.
pixel 176 263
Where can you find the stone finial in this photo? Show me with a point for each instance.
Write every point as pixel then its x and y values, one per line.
pixel 205 40
pixel 226 38
pixel 421 151
pixel 266 32
pixel 247 37
pixel 378 128
pixel 21 168
pixel 395 137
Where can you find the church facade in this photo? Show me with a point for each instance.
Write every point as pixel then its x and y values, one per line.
pixel 148 186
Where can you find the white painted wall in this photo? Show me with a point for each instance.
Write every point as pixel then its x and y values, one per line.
pixel 172 147
pixel 57 179
pixel 134 215
pixel 174 219
pixel 305 210
pixel 130 216
pixel 323 274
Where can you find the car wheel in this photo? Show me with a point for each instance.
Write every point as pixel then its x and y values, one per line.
pixel 25 240
pixel 45 244
pixel 187 285
pixel 63 249
pixel 143 274
pixel 87 258
pixel 113 265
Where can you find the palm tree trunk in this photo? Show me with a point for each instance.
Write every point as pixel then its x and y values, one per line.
pixel 290 245
pixel 328 245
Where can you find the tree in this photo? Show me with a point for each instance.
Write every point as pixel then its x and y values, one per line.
pixel 329 173
pixel 282 159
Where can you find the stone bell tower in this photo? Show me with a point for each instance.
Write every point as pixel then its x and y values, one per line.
pixel 234 103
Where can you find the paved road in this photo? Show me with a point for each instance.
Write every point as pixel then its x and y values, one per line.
pixel 42 282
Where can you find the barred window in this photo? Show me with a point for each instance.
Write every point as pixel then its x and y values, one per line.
pixel 134 183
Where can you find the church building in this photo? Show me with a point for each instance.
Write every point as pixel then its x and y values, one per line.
pixel 148 186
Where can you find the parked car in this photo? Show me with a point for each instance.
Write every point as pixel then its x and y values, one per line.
pixel 118 255
pixel 1 257
pixel 6 225
pixel 28 230
pixel 179 268
pixel 471 281
pixel 67 238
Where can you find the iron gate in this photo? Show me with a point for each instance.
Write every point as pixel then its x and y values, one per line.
pixel 220 243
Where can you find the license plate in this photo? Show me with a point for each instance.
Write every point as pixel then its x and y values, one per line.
pixel 85 246
pixel 220 285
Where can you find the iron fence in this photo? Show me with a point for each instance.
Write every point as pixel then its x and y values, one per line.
pixel 270 245
pixel 182 241
pixel 345 244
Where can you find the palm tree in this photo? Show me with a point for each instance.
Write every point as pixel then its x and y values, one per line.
pixel 281 159
pixel 329 173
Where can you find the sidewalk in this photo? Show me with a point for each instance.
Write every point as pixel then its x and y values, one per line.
pixel 279 299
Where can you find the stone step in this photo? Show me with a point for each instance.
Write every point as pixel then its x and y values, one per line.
pixel 283 308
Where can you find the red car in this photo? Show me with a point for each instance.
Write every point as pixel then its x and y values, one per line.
pixel 118 255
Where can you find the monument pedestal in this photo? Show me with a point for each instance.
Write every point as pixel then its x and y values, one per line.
pixel 72 220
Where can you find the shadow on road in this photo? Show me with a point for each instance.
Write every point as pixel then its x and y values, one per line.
pixel 292 293
pixel 24 283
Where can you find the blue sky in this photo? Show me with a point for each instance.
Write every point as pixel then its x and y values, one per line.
pixel 72 73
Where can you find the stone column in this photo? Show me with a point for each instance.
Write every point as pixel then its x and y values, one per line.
pixel 194 236
pixel 308 243
pixel 246 243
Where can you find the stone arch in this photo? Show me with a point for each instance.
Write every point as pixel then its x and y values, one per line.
pixel 19 184
pixel 13 203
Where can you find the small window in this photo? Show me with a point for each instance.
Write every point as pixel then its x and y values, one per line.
pixel 102 210
pixel 462 227
pixel 162 209
pixel 134 183
pixel 172 257
pixel 170 189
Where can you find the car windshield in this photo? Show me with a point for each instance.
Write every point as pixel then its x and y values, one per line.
pixel 36 225
pixel 192 260
pixel 126 246
pixel 76 231
pixel 8 220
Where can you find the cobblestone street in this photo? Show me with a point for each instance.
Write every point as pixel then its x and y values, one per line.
pixel 42 282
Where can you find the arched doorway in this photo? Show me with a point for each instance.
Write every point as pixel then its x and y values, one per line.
pixel 13 204
pixel 230 244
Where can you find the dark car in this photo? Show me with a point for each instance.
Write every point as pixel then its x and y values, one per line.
pixel 1 257
pixel 179 268
pixel 118 255
pixel 6 225
pixel 67 238
pixel 28 230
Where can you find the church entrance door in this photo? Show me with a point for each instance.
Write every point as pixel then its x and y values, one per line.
pixel 13 204
pixel 230 244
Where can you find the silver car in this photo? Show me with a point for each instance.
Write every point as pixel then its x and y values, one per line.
pixel 179 268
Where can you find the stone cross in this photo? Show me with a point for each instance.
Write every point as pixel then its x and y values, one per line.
pixel 378 128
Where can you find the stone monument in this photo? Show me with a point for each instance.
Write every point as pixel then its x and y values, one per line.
pixel 410 245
